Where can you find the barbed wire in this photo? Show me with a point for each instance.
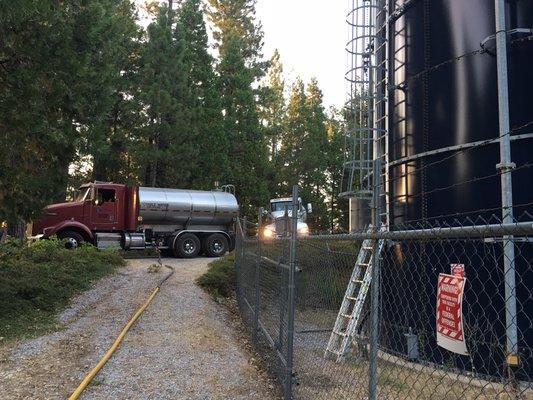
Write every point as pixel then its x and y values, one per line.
pixel 459 58
pixel 481 211
pixel 458 152
pixel 446 62
pixel 467 181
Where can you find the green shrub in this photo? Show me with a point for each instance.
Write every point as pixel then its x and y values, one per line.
pixel 219 280
pixel 37 281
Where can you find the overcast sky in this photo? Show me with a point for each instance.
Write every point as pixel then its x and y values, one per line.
pixel 310 36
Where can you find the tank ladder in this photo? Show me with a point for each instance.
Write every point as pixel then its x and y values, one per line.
pixel 381 108
pixel 350 313
pixel 367 130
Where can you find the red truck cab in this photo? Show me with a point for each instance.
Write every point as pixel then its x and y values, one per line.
pixel 101 207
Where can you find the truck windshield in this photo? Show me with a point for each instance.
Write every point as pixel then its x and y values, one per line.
pixel 82 193
pixel 280 206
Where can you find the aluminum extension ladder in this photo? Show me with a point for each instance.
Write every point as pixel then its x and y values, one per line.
pixel 351 311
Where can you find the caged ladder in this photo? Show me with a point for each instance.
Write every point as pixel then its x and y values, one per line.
pixel 351 312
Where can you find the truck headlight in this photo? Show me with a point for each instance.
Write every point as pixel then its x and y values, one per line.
pixel 304 230
pixel 268 233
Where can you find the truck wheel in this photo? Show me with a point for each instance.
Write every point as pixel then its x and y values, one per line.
pixel 187 246
pixel 72 239
pixel 216 245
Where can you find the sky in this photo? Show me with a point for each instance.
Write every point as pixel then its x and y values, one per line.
pixel 310 36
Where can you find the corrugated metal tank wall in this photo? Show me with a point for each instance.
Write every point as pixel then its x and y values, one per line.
pixel 432 108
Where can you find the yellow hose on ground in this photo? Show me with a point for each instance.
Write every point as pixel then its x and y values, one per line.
pixel 89 377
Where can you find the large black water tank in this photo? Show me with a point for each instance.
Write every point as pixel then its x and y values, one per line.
pixel 444 93
pixel 454 104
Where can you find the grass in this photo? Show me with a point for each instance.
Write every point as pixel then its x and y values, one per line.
pixel 219 280
pixel 37 282
pixel 397 379
pixel 325 272
pixel 96 382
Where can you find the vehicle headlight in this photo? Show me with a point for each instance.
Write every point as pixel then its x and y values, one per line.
pixel 304 230
pixel 268 233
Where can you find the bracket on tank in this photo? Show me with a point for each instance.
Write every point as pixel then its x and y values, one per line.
pixel 489 43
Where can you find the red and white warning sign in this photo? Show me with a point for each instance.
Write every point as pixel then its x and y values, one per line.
pixel 450 334
pixel 458 270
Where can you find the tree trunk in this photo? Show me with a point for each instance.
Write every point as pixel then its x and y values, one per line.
pixel 153 173
pixel 17 229
pixel 99 169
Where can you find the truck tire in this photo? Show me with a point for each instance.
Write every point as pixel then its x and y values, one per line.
pixel 72 239
pixel 187 246
pixel 216 245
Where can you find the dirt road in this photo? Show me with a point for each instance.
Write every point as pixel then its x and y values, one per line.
pixel 183 347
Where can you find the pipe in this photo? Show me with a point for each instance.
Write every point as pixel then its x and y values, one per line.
pixel 455 232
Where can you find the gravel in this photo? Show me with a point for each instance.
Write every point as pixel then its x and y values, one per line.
pixel 185 345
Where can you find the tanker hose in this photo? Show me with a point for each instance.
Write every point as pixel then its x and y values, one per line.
pixel 89 377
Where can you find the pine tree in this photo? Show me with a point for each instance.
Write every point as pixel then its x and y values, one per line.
pixel 63 95
pixel 239 42
pixel 273 109
pixel 39 103
pixel 293 137
pixel 303 150
pixel 79 86
pixel 183 144
pixel 314 157
pixel 108 114
pixel 247 154
pixel 164 144
pixel 337 207
pixel 236 18
pixel 205 123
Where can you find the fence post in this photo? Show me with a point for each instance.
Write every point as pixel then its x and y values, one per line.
pixel 374 291
pixel 238 258
pixel 291 294
pixel 284 291
pixel 378 121
pixel 243 237
pixel 505 167
pixel 257 285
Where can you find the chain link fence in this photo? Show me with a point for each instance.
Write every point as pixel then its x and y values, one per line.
pixel 262 294
pixel 448 324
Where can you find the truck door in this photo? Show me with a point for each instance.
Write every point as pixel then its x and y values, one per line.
pixel 104 210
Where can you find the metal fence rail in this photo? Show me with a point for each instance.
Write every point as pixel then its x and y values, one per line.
pixel 292 328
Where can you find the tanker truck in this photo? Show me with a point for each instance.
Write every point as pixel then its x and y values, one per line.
pixel 276 212
pixel 188 222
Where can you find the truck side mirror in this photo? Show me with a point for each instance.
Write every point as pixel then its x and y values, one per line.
pixel 309 208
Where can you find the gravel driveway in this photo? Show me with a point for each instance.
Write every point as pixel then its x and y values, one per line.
pixel 184 346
